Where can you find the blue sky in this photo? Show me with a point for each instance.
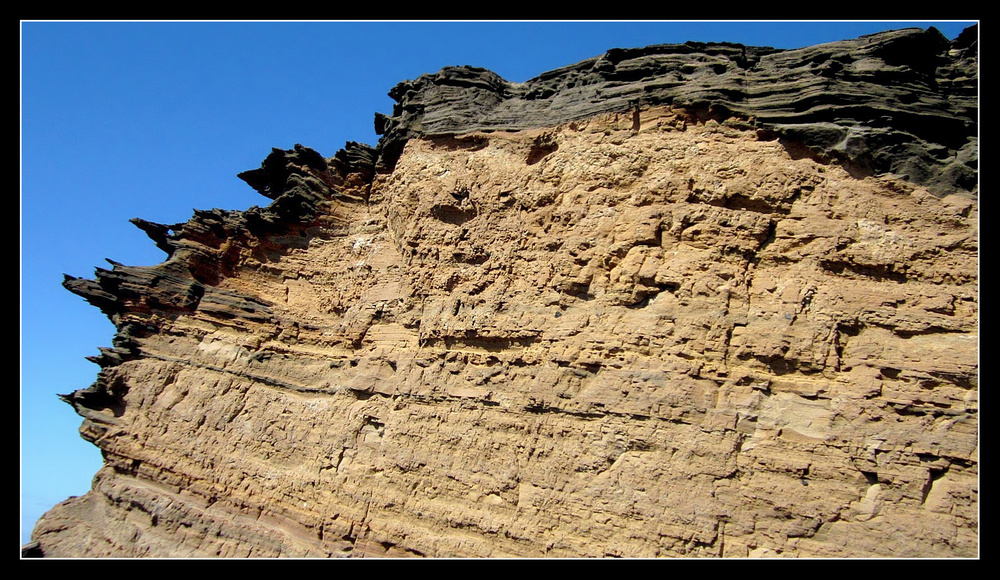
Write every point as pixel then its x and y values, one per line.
pixel 155 119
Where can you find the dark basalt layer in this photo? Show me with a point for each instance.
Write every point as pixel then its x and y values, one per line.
pixel 302 184
pixel 903 102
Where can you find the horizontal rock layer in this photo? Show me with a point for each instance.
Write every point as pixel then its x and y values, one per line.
pixel 636 332
pixel 902 102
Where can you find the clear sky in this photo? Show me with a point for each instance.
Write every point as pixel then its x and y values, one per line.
pixel 155 119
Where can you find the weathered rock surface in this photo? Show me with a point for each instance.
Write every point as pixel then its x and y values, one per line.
pixel 903 102
pixel 602 313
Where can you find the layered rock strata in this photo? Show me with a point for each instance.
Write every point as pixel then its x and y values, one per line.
pixel 902 102
pixel 651 327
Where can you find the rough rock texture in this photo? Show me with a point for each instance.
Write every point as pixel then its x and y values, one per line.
pixel 903 102
pixel 536 321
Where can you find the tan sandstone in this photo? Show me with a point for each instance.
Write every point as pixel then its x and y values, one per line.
pixel 622 336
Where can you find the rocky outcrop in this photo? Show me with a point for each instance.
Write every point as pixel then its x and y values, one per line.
pixel 688 300
pixel 903 102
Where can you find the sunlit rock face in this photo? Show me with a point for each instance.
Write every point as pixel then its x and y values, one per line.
pixel 556 319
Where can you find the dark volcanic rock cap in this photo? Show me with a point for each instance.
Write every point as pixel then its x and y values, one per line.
pixel 903 102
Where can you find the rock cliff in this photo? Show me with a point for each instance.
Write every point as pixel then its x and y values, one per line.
pixel 697 300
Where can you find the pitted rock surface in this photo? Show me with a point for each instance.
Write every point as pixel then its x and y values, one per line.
pixel 645 332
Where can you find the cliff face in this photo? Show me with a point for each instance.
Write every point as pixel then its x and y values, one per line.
pixel 688 300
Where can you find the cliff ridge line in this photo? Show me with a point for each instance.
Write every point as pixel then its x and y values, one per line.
pixel 665 327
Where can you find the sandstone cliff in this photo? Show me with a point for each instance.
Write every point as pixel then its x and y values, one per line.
pixel 686 300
